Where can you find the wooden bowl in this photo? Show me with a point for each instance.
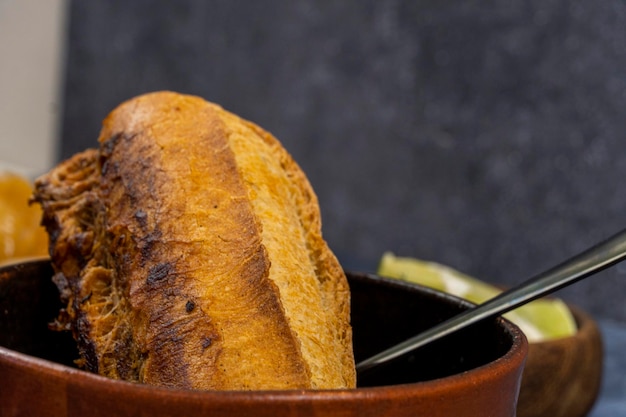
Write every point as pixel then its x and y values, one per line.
pixel 562 377
pixel 471 373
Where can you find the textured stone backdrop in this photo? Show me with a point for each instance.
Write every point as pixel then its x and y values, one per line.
pixel 487 135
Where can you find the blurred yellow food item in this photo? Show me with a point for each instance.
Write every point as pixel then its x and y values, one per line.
pixel 21 235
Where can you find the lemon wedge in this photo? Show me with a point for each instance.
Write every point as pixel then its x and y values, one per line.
pixel 540 320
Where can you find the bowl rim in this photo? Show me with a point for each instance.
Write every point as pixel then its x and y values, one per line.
pixel 515 357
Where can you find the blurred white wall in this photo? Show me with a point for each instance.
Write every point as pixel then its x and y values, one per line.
pixel 32 37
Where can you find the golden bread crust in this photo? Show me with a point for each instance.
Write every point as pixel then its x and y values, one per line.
pixel 190 250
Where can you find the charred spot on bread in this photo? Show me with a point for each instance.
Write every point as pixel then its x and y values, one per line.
pixel 159 272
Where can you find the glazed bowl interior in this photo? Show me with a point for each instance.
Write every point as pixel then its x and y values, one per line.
pixel 384 312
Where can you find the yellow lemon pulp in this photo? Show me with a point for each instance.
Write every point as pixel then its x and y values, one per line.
pixel 540 320
pixel 21 235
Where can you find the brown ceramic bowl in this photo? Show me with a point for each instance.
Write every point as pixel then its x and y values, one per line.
pixel 562 377
pixel 474 372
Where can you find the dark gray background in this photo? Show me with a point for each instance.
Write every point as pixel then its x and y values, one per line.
pixel 486 135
